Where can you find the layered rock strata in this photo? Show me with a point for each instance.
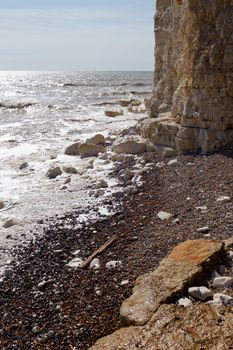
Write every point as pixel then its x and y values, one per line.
pixel 193 75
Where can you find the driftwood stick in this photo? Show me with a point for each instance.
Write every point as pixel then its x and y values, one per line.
pixel 98 251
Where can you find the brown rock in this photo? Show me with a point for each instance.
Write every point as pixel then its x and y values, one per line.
pixel 175 273
pixel 176 328
pixel 73 150
pixel 88 150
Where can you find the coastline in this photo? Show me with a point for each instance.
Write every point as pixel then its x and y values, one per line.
pixel 77 306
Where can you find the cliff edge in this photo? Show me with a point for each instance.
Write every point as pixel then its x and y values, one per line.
pixel 192 104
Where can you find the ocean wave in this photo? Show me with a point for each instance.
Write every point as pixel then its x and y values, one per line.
pixel 17 105
pixel 80 84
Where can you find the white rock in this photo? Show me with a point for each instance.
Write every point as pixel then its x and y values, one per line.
pixel 223 298
pixel 76 252
pixel 200 293
pixel 96 139
pixel 53 172
pixel 176 221
pixel 203 229
pixel 124 282
pixel 113 263
pixel 95 264
pixel 173 162
pixel 231 253
pixel 129 144
pixel 224 199
pixel 186 302
pixel 223 282
pixel 160 165
pixel 76 262
pixel 202 208
pixel 162 215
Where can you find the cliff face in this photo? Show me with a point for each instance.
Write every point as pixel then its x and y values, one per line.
pixel 193 75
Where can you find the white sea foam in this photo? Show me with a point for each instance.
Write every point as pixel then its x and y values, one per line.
pixel 40 116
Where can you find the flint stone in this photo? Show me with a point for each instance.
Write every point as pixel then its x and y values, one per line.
pixel 172 162
pixel 203 229
pixel 113 263
pixel 129 144
pixel 9 223
pixel 162 215
pixel 88 150
pixel 174 274
pixel 223 282
pixel 23 166
pixel 186 302
pixel 95 264
pixel 76 262
pixel 224 199
pixel 223 299
pixel 200 293
pixel 53 172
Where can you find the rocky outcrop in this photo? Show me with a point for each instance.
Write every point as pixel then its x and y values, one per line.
pixel 156 323
pixel 193 75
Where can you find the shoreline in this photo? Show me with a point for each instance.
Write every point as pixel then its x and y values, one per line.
pixel 76 307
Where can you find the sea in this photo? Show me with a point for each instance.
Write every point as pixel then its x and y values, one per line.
pixel 41 113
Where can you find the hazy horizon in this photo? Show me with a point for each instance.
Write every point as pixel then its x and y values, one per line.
pixel 77 35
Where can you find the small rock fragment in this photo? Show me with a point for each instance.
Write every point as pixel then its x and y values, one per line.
pixel 223 282
pixel 113 263
pixel 76 262
pixel 200 293
pixel 162 215
pixel 203 229
pixel 9 223
pixel 173 162
pixel 223 298
pixel 186 302
pixel 23 166
pixel 124 282
pixel 223 199
pixel 53 172
pixel 95 264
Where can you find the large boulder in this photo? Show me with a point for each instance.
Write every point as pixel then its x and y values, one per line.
pixel 89 150
pixel 133 144
pixel 73 150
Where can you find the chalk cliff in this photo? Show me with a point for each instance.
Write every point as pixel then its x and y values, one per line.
pixel 192 103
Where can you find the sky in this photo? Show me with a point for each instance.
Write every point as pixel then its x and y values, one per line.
pixel 75 35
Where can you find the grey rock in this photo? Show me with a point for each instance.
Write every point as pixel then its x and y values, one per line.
pixel 200 293
pixel 223 282
pixel 53 172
